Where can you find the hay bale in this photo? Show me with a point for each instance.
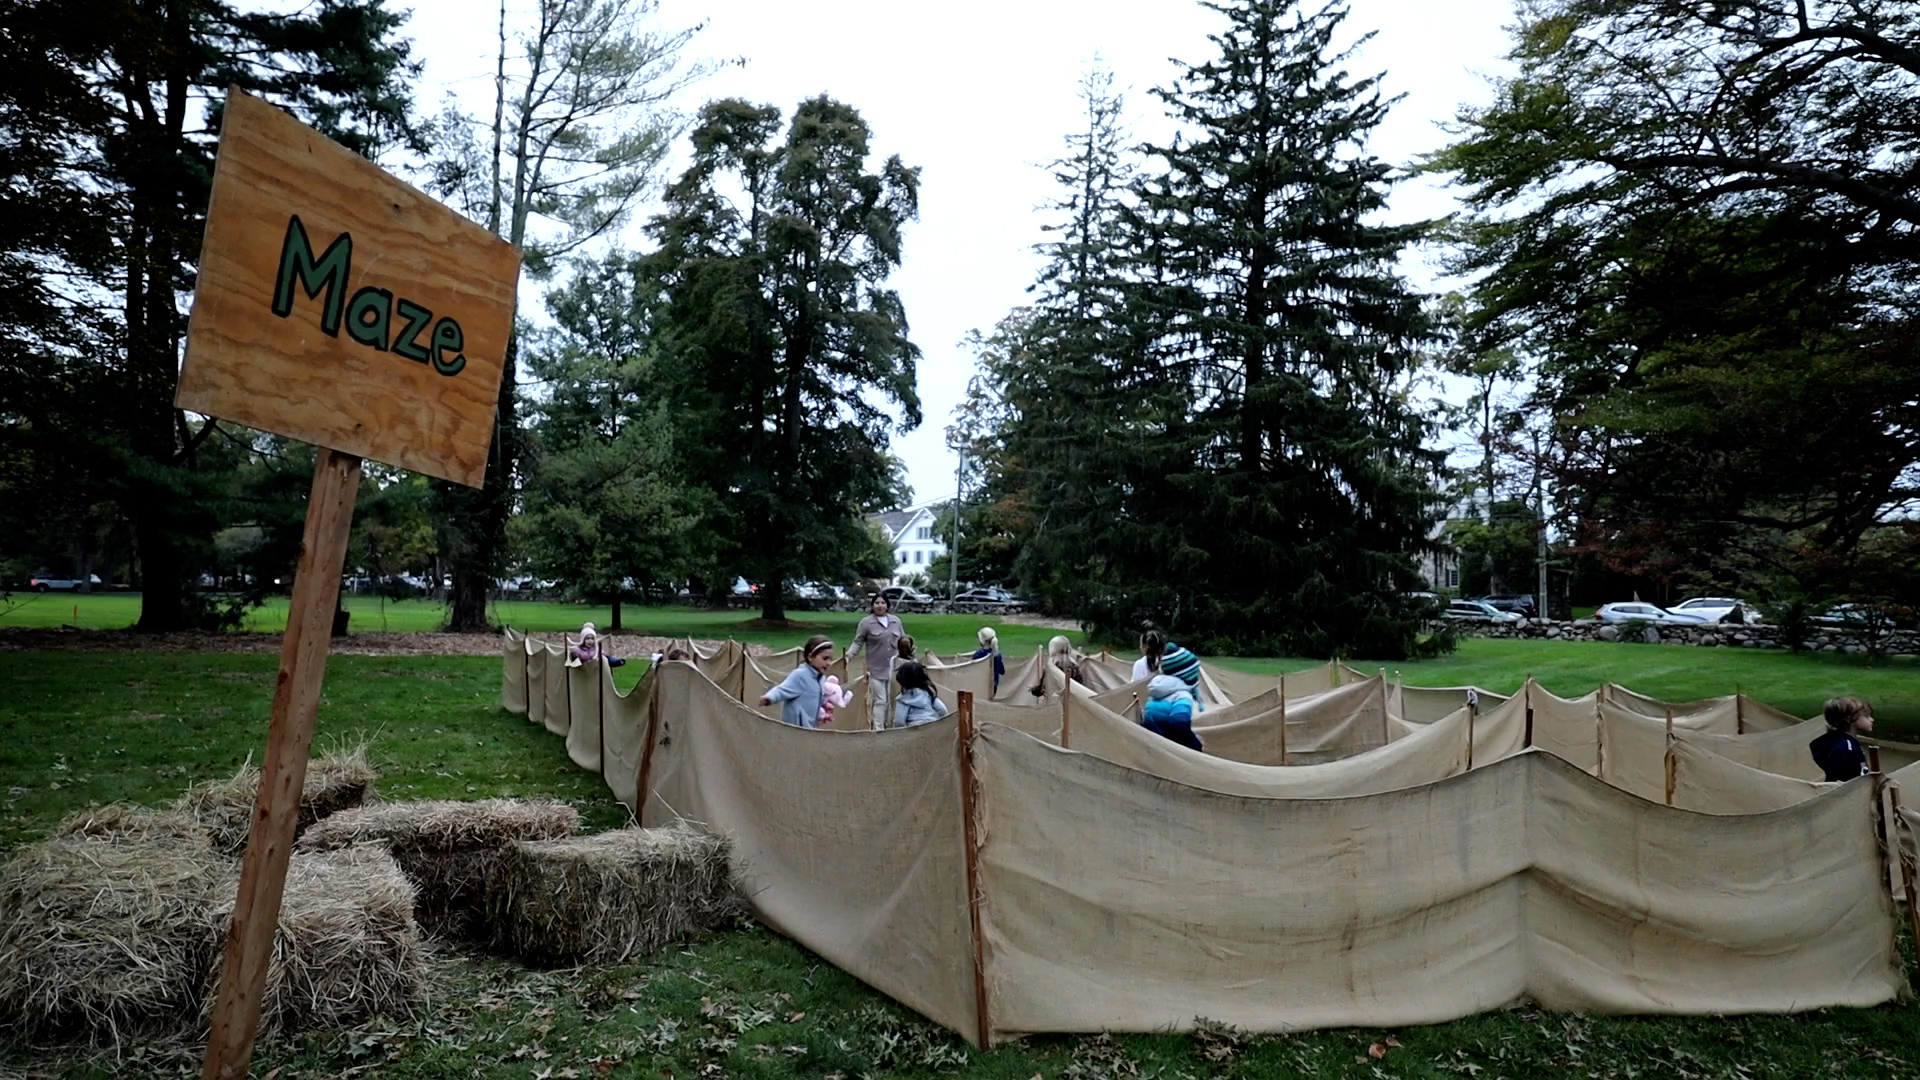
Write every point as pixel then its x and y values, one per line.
pixel 104 938
pixel 611 896
pixel 348 947
pixel 127 823
pixel 336 781
pixel 449 850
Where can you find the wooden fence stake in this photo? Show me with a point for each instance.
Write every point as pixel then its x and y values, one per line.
pixel 1386 719
pixel 975 899
pixel 1669 760
pixel 1473 715
pixel 1739 711
pixel 283 769
pixel 1283 719
pixel 1066 717
pixel 644 780
pixel 606 684
pixel 1599 738
pixel 1526 688
pixel 1906 867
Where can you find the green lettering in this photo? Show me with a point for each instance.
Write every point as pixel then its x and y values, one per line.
pixel 448 338
pixel 328 273
pixel 406 342
pixel 370 317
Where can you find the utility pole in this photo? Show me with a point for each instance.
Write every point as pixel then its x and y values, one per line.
pixel 1540 514
pixel 953 550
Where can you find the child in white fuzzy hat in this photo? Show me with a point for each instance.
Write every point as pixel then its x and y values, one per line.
pixel 586 650
pixel 990 646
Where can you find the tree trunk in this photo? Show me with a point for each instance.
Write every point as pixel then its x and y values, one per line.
pixel 773 602
pixel 161 597
pixel 478 519
pixel 614 623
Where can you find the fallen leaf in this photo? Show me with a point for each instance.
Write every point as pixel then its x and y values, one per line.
pixel 796 1018
pixel 1376 1051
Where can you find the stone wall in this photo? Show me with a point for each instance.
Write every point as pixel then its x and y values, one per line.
pixel 1713 635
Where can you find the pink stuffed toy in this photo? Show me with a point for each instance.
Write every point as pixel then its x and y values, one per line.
pixel 831 698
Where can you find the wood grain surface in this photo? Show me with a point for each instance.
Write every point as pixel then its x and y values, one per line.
pixel 425 400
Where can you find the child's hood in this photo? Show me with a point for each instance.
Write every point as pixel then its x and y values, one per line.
pixel 1164 687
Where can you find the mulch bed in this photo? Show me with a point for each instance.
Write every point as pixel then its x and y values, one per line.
pixel 358 644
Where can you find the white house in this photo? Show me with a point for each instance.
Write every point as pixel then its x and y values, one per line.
pixel 915 544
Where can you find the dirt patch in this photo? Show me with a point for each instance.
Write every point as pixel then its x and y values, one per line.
pixel 780 626
pixel 367 644
pixel 1048 622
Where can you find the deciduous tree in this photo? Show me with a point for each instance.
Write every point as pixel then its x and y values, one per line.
pixel 782 342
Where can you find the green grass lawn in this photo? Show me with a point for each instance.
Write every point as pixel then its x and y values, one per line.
pixel 79 728
pixel 939 633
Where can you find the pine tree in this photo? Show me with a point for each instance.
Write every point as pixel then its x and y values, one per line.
pixel 781 337
pixel 579 131
pixel 1048 414
pixel 156 71
pixel 1289 490
pixel 604 506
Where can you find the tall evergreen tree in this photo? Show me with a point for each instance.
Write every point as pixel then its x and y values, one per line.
pixel 604 503
pixel 579 129
pixel 1700 223
pixel 130 163
pixel 781 336
pixel 1048 415
pixel 1289 491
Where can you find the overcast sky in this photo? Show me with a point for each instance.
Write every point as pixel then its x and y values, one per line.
pixel 980 96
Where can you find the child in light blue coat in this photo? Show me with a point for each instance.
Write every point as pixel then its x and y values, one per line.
pixel 800 692
pixel 917 703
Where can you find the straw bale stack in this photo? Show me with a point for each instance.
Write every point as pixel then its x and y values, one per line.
pixel 611 896
pixel 449 850
pixel 348 947
pixel 128 823
pixel 336 781
pixel 107 934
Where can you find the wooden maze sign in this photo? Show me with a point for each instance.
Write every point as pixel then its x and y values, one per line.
pixel 340 306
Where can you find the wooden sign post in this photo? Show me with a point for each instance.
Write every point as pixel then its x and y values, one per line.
pixel 337 305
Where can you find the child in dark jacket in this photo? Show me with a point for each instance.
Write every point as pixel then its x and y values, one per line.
pixel 1837 750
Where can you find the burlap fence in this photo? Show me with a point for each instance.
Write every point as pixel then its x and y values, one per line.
pixel 1056 868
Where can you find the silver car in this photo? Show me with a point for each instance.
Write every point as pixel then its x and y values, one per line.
pixel 1640 611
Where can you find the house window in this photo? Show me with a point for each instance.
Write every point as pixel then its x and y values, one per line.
pixel 925 532
pixel 919 557
pixel 903 558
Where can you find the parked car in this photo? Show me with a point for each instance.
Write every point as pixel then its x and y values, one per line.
pixel 52 583
pixel 1522 604
pixel 1640 611
pixel 1479 611
pixel 1429 604
pixel 1719 609
pixel 743 587
pixel 1857 616
pixel 990 594
pixel 904 594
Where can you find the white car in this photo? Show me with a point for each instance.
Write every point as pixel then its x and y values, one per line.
pixel 58 582
pixel 1639 611
pixel 1479 611
pixel 1718 609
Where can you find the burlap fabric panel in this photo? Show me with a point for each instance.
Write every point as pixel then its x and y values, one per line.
pixel 848 842
pixel 558 713
pixel 513 671
pixel 1524 879
pixel 592 685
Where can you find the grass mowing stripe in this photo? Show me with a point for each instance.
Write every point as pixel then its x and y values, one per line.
pixel 93 727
